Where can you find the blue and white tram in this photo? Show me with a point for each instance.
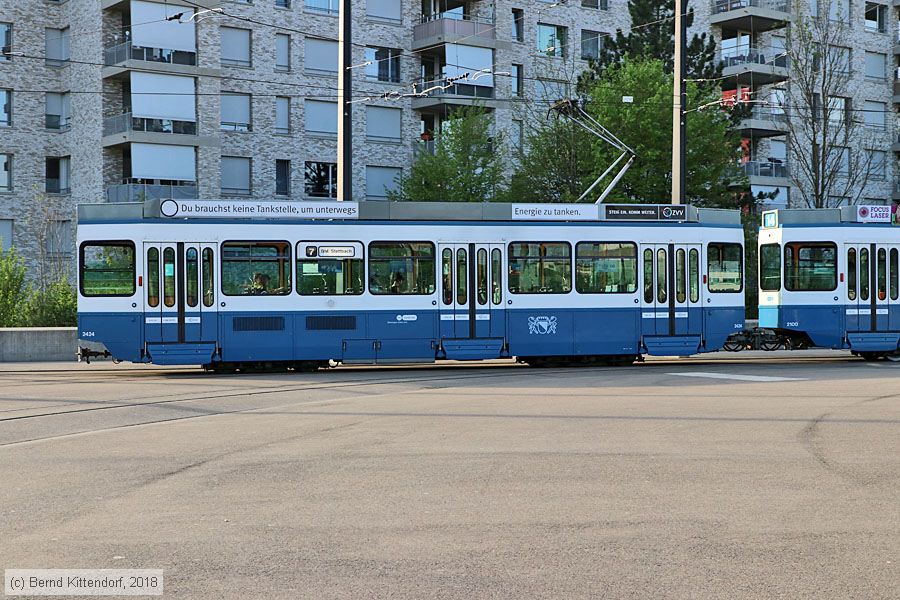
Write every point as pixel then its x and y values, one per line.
pixel 831 278
pixel 398 282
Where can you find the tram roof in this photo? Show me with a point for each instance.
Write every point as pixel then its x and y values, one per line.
pixel 274 211
pixel 867 215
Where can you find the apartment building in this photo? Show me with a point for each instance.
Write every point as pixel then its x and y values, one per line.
pixel 122 100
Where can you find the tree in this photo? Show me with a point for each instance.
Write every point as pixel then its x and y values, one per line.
pixel 825 137
pixel 466 164
pixel 713 148
pixel 653 37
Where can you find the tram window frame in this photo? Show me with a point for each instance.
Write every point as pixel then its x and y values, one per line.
pixel 865 267
pixel 511 257
pixel 192 279
pixel 709 271
pixel 169 258
pixel 285 259
pixel 208 276
pixel 662 276
pixel 481 276
pixel 852 270
pixel 153 278
pixel 694 274
pixel 371 259
pixel 647 262
pixel 791 246
pixel 111 243
pixel 881 275
pixel 894 264
pixel 762 277
pixel 622 282
pixel 462 267
pixel 496 277
pixel 304 258
pixel 447 276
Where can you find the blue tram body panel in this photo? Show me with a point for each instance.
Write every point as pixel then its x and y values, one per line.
pixel 459 302
pixel 831 278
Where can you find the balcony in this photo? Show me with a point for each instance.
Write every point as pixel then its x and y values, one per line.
pixel 126 123
pixel 765 121
pixel 57 123
pixel 438 93
pixel 55 186
pixel 750 15
pixel 424 147
pixel 138 192
pixel 444 28
pixel 767 173
pixel 120 54
pixel 754 65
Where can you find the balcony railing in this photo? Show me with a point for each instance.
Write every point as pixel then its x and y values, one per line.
pixel 118 54
pixel 769 113
pixel 448 23
pixel 126 122
pixel 424 146
pixel 325 7
pixel 753 55
pixel 54 186
pixel 440 87
pixel 721 6
pixel 137 192
pixel 755 168
pixel 57 122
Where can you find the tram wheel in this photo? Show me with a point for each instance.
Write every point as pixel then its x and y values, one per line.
pixel 871 356
pixel 770 345
pixel 733 346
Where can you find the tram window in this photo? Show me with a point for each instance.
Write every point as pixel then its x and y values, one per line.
pixel 882 274
pixel 724 264
pixel 332 270
pixel 153 277
pixel 540 268
pixel 606 268
pixel 851 273
pixel 447 276
pixel 680 291
pixel 403 268
pixel 811 267
pixel 648 276
pixel 208 277
pixel 770 267
pixel 481 281
pixel 496 276
pixel 169 277
pixel 863 273
pixel 461 276
pixel 252 268
pixel 662 272
pixel 107 269
pixel 192 266
pixel 694 274
pixel 895 274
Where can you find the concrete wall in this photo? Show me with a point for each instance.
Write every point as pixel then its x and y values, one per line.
pixel 38 344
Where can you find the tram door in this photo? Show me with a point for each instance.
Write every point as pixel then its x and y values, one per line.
pixel 872 287
pixel 671 290
pixel 472 291
pixel 180 292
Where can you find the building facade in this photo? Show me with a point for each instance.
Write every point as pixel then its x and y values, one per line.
pixel 123 100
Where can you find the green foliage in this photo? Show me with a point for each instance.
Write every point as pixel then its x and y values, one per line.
pixel 713 148
pixel 656 40
pixel 467 164
pixel 13 291
pixel 558 166
pixel 56 305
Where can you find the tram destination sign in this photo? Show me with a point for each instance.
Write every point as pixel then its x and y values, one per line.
pixel 249 209
pixel 645 212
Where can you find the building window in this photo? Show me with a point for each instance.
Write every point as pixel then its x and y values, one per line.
pixel 599 4
pixel 5 41
pixel 56 46
pixel 282 3
pixel 383 64
pixel 876 17
pixel 380 181
pixel 236 47
pixel 388 11
pixel 877 163
pixel 282 115
pixel 876 65
pixel 320 179
pixel 283 177
pixel 321 56
pixel 839 10
pixel 551 40
pixel 59 238
pixel 383 124
pixel 5 108
pixel 324 7
pixel 839 57
pixel 57 175
pixel 57 111
pixel 873 114
pixel 839 159
pixel 518 25
pixel 590 44
pixel 320 117
pixel 518 80
pixel 6 172
pixel 6 234
pixel 282 52
pixel 838 110
pixel 236 175
pixel 235 111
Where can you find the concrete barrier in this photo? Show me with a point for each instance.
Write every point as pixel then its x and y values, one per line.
pixel 38 344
